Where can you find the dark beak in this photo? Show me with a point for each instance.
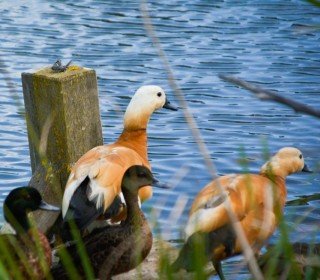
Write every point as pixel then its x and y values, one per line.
pixel 167 105
pixel 46 206
pixel 157 184
pixel 306 169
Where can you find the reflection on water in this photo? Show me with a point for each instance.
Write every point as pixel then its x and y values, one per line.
pixel 256 41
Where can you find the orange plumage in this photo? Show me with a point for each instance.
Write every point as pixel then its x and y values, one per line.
pixel 95 179
pixel 257 200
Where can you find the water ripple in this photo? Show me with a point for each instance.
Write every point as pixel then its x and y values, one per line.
pixel 253 40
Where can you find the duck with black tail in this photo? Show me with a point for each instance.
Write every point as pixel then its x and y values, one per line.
pixel 115 249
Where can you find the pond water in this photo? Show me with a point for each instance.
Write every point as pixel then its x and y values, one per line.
pixel 273 44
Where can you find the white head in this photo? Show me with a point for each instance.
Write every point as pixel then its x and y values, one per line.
pixel 286 161
pixel 145 101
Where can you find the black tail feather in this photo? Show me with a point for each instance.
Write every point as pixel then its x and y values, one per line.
pixel 193 253
pixel 199 248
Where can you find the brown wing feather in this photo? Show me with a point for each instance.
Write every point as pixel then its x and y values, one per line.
pixel 246 193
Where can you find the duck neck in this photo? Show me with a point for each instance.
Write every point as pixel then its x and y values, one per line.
pixel 136 140
pixel 273 173
pixel 137 117
pixel 280 183
pixel 134 213
pixel 19 221
pixel 274 169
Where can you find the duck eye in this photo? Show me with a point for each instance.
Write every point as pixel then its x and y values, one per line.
pixel 159 94
pixel 27 197
pixel 142 174
pixel 300 156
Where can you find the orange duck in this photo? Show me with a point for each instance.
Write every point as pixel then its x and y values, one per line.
pixel 94 185
pixel 257 200
pixel 26 254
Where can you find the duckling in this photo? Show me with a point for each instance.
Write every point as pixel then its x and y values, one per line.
pixel 93 187
pixel 257 200
pixel 115 249
pixel 26 254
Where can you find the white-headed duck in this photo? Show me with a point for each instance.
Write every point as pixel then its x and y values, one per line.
pixel 257 200
pixel 26 254
pixel 93 186
pixel 115 249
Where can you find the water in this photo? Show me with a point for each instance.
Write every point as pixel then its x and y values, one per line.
pixel 259 42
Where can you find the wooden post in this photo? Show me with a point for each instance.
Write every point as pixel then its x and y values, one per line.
pixel 63 121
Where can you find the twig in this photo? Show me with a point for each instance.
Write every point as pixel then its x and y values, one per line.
pixel 177 91
pixel 303 200
pixel 265 94
pixel 247 250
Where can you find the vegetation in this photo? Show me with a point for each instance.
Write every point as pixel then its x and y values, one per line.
pixel 280 262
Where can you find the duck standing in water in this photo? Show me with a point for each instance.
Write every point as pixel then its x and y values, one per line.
pixel 26 254
pixel 94 184
pixel 257 202
pixel 118 248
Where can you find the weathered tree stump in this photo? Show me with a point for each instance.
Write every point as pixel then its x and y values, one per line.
pixel 63 121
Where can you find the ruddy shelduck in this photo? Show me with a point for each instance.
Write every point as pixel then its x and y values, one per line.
pixel 115 249
pixel 257 201
pixel 94 184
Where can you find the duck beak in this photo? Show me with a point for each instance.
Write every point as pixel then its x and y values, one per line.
pixel 306 169
pixel 157 184
pixel 168 105
pixel 46 206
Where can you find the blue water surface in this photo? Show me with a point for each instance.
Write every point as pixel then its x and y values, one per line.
pixel 272 43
